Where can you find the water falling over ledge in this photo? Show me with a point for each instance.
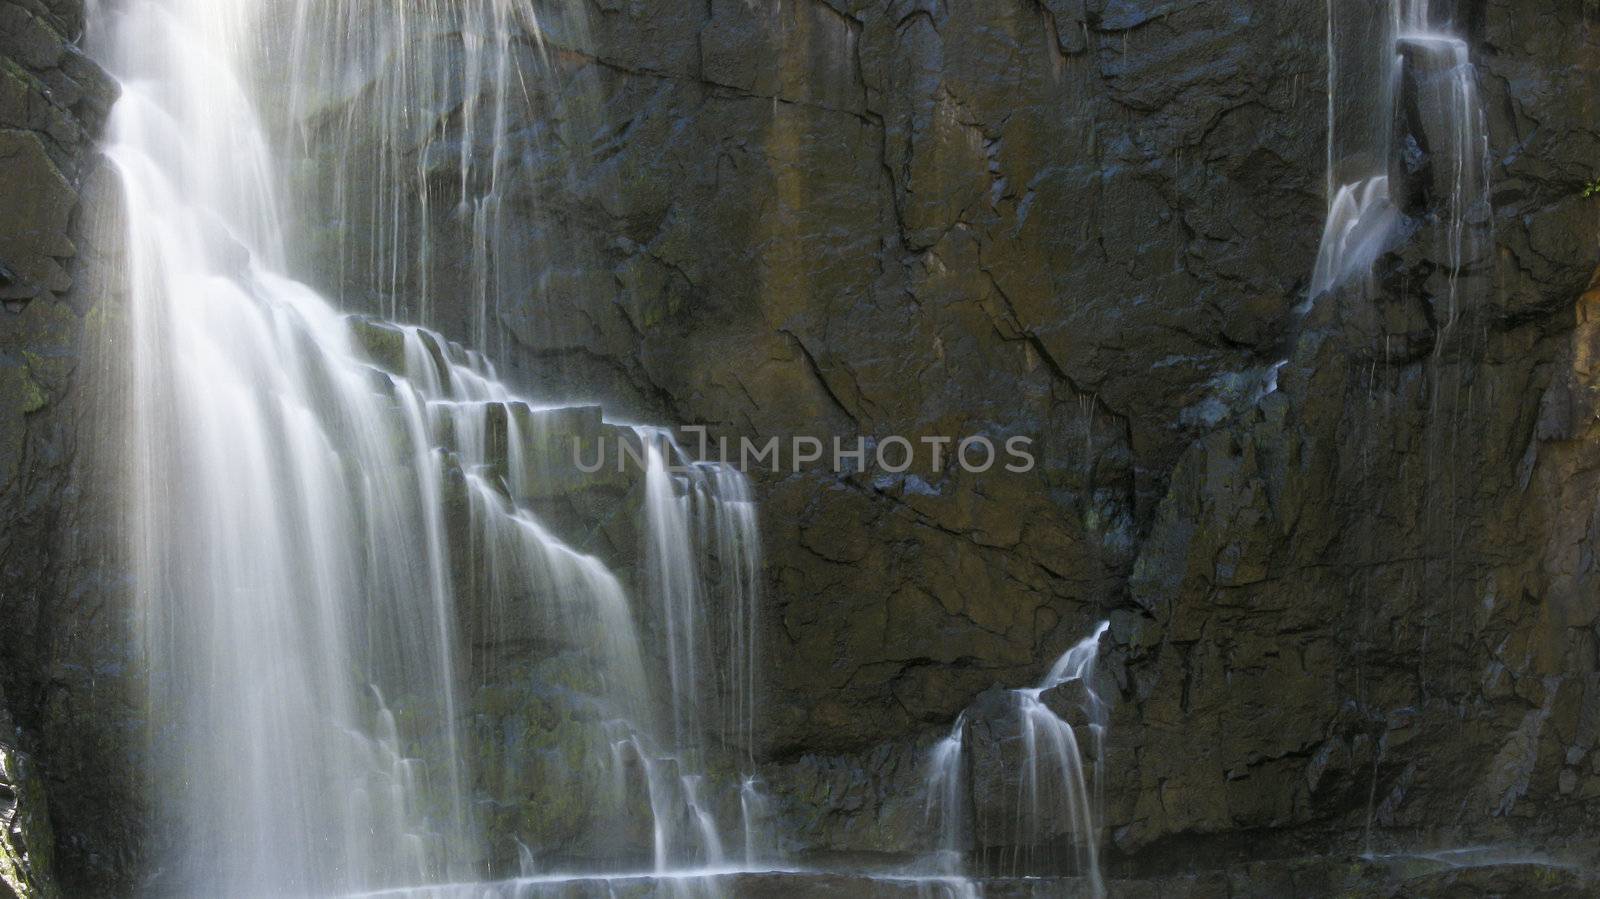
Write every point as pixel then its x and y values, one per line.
pixel 1407 139
pixel 1042 779
pixel 345 555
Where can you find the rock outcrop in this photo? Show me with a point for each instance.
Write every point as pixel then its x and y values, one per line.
pixel 62 661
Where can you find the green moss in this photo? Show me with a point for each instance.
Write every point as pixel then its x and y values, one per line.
pixel 383 344
pixel 17 81
pixel 16 382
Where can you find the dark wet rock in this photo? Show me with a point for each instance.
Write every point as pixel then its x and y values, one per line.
pixel 1530 880
pixel 1090 224
pixel 70 739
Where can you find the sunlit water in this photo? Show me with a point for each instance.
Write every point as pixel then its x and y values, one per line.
pixel 315 523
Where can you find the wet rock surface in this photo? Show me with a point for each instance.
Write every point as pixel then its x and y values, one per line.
pixel 1358 607
pixel 1358 613
pixel 65 638
pixel 26 841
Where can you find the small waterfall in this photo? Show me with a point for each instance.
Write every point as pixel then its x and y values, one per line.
pixel 705 514
pixel 1406 132
pixel 754 813
pixel 1057 786
pixel 340 526
pixel 1361 220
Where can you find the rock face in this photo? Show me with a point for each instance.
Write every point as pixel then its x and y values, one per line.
pixel 64 648
pixel 1085 226
pixel 1356 612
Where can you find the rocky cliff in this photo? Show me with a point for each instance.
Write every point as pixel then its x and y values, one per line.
pixel 1358 612
pixel 68 732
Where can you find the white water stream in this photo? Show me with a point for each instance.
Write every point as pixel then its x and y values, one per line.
pixel 1371 59
pixel 321 526
pixel 1060 785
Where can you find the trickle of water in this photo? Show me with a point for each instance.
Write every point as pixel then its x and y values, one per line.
pixel 945 808
pixel 1361 219
pixel 405 108
pixel 1057 785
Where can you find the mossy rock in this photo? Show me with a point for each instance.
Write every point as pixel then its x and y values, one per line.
pixel 26 841
pixel 383 344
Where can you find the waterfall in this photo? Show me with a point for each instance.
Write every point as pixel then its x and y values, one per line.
pixel 703 512
pixel 1057 776
pixel 1406 136
pixel 339 526
pixel 944 807
pixel 1057 785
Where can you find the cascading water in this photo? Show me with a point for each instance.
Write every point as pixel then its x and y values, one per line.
pixel 1058 793
pixel 244 426
pixel 327 509
pixel 701 514
pixel 1405 131
pixel 1057 785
